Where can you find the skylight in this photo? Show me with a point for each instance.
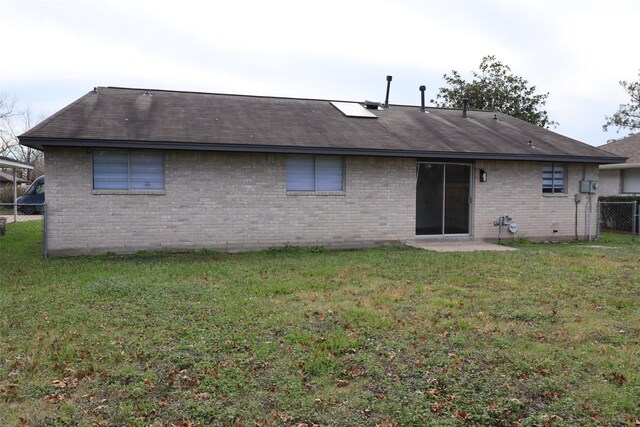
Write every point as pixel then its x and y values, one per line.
pixel 353 109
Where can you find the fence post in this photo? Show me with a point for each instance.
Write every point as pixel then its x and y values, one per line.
pixel 634 219
pixel 599 220
pixel 45 228
pixel 15 197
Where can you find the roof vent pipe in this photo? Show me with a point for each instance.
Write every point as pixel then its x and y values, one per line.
pixel 465 105
pixel 422 89
pixel 386 98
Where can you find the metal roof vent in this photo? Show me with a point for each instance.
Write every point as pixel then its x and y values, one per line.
pixel 386 98
pixel 422 107
pixel 465 105
pixel 371 105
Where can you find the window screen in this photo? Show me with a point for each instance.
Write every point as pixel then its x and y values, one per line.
pixel 146 171
pixel 315 173
pixel 121 170
pixel 110 170
pixel 300 173
pixel 553 178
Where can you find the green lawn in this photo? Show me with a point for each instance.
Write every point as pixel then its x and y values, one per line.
pixel 547 335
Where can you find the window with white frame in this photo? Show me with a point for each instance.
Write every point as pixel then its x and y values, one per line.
pixel 553 178
pixel 128 170
pixel 315 173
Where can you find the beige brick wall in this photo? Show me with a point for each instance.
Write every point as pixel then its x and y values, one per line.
pixel 239 201
pixel 515 189
pixel 227 201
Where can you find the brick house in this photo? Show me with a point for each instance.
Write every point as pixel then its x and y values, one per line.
pixel 622 178
pixel 136 169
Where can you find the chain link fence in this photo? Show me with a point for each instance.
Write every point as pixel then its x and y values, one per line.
pixel 25 225
pixel 618 217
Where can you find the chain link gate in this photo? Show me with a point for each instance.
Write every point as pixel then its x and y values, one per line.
pixel 619 217
pixel 24 223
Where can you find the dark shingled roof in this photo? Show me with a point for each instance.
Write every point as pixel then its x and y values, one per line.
pixel 626 147
pixel 160 119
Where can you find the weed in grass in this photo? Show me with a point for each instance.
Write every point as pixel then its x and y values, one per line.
pixel 365 319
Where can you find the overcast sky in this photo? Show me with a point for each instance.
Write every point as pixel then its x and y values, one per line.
pixel 56 51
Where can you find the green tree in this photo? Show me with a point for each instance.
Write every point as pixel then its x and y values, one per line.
pixel 494 88
pixel 628 115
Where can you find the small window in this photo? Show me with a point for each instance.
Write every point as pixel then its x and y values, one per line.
pixel 315 173
pixel 124 170
pixel 630 180
pixel 553 178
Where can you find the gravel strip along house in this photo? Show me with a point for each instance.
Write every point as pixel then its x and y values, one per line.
pixel 142 169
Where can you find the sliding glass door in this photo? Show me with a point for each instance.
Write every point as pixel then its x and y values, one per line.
pixel 443 193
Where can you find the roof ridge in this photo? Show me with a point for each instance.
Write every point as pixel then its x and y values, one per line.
pixel 222 94
pixel 244 95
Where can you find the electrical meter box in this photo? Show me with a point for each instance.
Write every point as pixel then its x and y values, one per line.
pixel 588 186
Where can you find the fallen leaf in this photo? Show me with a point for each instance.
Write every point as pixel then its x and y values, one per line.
pixel 10 389
pixel 355 373
pixel 189 381
pixel 342 383
pixel 53 399
pixel 540 337
pixel 437 408
pixel 431 392
pixel 618 378
pixel 593 414
pixel 634 420
pixel 550 394
pixel 461 415
pixel 58 383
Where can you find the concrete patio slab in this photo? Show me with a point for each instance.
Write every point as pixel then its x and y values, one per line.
pixel 457 246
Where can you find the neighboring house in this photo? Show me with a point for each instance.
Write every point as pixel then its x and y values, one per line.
pixel 622 178
pixel 6 179
pixel 9 193
pixel 135 169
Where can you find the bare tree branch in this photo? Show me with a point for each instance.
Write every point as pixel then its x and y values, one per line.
pixel 14 122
